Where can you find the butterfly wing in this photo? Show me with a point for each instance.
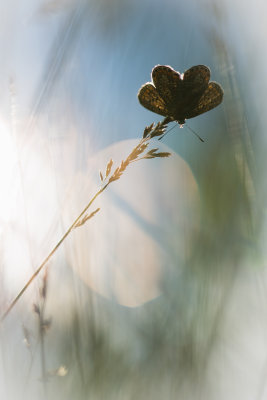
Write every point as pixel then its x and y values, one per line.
pixel 149 97
pixel 210 99
pixel 195 82
pixel 196 78
pixel 167 82
pixel 180 93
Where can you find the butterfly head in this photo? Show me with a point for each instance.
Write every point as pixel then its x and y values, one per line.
pixel 181 122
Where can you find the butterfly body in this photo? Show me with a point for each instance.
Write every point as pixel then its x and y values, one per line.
pixel 180 96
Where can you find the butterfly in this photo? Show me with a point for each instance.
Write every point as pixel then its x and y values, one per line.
pixel 180 96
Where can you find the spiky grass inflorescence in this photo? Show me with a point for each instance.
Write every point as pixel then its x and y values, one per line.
pixel 139 152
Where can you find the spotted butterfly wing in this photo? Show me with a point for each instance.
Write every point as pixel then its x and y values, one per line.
pixel 210 99
pixel 150 99
pixel 196 78
pixel 194 84
pixel 167 82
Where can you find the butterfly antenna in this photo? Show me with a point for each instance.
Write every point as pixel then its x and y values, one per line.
pixel 167 131
pixel 200 138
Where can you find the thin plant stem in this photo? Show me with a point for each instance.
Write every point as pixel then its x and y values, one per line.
pixel 38 270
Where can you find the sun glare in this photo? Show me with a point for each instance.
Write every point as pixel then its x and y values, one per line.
pixel 28 205
pixel 8 174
